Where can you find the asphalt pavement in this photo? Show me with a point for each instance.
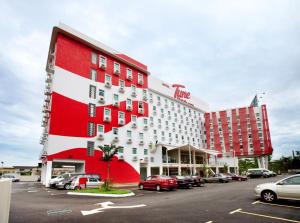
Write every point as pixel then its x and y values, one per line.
pixel 218 202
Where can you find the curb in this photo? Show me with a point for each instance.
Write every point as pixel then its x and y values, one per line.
pixel 101 195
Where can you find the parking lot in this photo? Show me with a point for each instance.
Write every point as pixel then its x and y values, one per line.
pixel 216 202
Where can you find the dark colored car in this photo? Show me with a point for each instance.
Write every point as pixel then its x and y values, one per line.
pixel 198 181
pixel 183 181
pixel 237 177
pixel 258 174
pixel 217 178
pixel 158 183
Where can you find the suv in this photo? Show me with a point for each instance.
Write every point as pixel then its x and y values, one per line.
pixel 258 173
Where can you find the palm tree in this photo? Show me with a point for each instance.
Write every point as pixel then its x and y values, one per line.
pixel 108 152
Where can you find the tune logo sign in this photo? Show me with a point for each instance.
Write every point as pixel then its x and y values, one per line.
pixel 181 94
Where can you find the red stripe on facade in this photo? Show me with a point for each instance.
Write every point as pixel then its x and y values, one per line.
pixel 133 61
pixel 267 138
pixel 207 128
pixel 254 132
pixel 216 134
pixel 244 132
pixel 76 58
pixel 120 171
pixel 71 118
pixel 235 134
pixel 224 122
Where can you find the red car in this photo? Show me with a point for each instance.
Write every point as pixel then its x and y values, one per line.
pixel 237 177
pixel 158 183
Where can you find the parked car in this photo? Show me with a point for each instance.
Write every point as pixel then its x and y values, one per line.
pixel 237 177
pixel 13 177
pixel 287 188
pixel 198 181
pixel 221 178
pixel 183 181
pixel 158 183
pixel 66 183
pixel 258 173
pixel 92 181
pixel 59 178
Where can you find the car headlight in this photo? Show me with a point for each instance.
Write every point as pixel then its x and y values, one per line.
pixel 60 183
pixel 257 187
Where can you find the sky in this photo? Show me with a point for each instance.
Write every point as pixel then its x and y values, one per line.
pixel 224 52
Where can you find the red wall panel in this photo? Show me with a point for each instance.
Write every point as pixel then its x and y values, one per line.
pixel 207 128
pixel 243 122
pixel 254 132
pixel 224 122
pixel 235 134
pixel 76 58
pixel 266 132
pixel 120 171
pixel 70 117
pixel 216 133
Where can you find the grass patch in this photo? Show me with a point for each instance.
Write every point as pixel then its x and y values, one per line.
pixel 101 191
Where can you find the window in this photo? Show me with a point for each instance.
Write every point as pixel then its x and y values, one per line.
pixel 154 108
pixel 292 181
pixel 170 135
pixel 122 84
pixel 162 133
pixel 107 78
pixel 145 121
pixel 117 68
pixel 115 131
pixel 140 78
pixel 121 149
pixel 158 98
pixel 151 119
pixel 128 72
pixel 128 102
pixel 141 105
pixel 162 111
pixel 102 62
pixel 100 129
pixel 116 97
pixel 128 133
pixel 152 159
pixel 121 115
pixel 91 127
pixel 133 118
pixel 101 92
pixel 141 136
pixel 92 110
pixel 92 92
pixel 159 121
pixel 134 150
pixel 145 152
pixel 107 112
pixel 94 58
pixel 90 148
pixel 93 74
pixel 154 131
pixel 133 88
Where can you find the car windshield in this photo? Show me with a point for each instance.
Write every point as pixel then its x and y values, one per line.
pixel 180 177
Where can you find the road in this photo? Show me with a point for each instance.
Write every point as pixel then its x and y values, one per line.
pixel 32 202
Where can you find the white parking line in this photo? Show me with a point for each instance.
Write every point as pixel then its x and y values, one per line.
pixel 279 205
pixel 32 191
pixel 261 215
pixel 209 222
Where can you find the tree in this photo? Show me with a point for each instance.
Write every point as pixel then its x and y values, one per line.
pixel 108 152
pixel 245 164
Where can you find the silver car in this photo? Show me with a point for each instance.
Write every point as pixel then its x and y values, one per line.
pixel 92 182
pixel 287 188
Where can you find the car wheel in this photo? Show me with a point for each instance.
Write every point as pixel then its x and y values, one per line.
pixel 268 196
pixel 221 181
pixel 67 187
pixel 141 187
pixel 157 187
pixel 239 179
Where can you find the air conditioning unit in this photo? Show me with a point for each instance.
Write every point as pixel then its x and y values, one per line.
pixel 169 117
pixel 116 104
pixel 121 122
pixel 146 159
pixel 166 106
pixel 128 108
pixel 151 100
pixel 103 67
pixel 134 125
pixel 121 90
pixel 145 127
pixel 140 82
pixel 141 142
pixel 167 127
pixel 135 158
pixel 129 141
pixel 121 157
pixel 145 98
pixel 133 94
pixel 107 119
pixel 151 124
pixel 174 129
pixel 141 111
pixel 108 84
pixel 158 103
pixel 159 126
pixel 173 108
pixel 117 72
pixel 154 113
pixel 180 130
pixel 101 99
pixel 100 136
pixel 129 77
pixel 116 138
pixel 162 115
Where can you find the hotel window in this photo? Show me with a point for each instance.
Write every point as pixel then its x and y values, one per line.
pixel 166 101
pixel 145 121
pixel 162 133
pixel 141 105
pixel 150 95
pixel 141 136
pixel 102 62
pixel 133 118
pixel 121 149
pixel 140 78
pixel 169 113
pixel 90 148
pixel 117 67
pixel 121 115
pixel 116 98
pixel 92 91
pixel 128 102
pixel 91 127
pixel 94 58
pixel 122 84
pixel 162 111
pixel 128 133
pixel 101 92
pixel 92 110
pixel 134 150
pixel 128 72
pixel 100 129
pixel 158 98
pixel 173 124
pixel 154 108
pixel 133 88
pixel 151 119
pixel 115 131
pixel 107 78
pixel 154 131
pixel 176 136
pixel 159 121
pixel 145 152
pixel 167 123
pixel 152 159
pixel 170 134
pixel 172 103
pixel 107 112
pixel 93 74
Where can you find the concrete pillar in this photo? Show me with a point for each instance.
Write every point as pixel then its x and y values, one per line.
pixel 179 162
pixel 43 174
pixel 148 171
pixel 259 162
pixel 217 165
pixel 48 173
pixel 266 162
pixel 194 162
pixel 161 170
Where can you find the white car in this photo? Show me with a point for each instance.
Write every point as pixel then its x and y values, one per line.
pixel 92 182
pixel 287 188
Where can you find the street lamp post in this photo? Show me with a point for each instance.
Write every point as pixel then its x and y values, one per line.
pixel 2 167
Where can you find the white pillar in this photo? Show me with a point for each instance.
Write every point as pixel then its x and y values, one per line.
pixel 194 162
pixel 161 169
pixel 43 174
pixel 217 165
pixel 148 171
pixel 179 162
pixel 48 173
pixel 259 162
pixel 266 162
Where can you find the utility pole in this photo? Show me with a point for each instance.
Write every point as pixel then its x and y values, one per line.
pixel 2 168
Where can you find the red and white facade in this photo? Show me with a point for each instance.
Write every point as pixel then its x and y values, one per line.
pixel 95 96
